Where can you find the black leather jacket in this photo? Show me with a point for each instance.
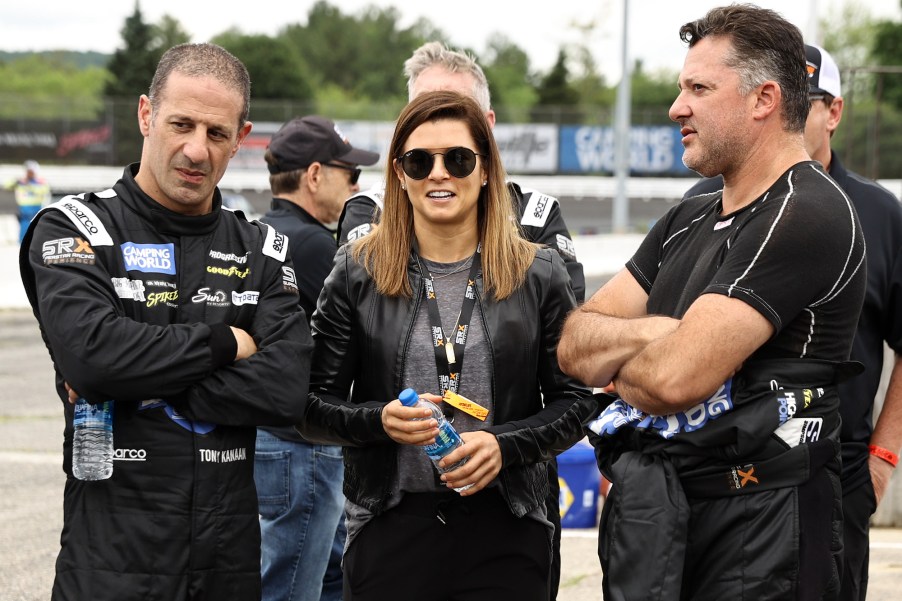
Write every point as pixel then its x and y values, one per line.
pixel 361 337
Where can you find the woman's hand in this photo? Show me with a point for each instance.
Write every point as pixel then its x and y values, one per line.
pixel 406 425
pixel 484 464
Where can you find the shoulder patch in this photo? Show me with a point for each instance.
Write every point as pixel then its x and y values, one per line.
pixel 275 244
pixel 376 194
pixel 360 231
pixel 538 207
pixel 84 219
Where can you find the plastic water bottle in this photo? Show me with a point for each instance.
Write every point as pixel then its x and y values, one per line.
pixel 92 443
pixel 447 439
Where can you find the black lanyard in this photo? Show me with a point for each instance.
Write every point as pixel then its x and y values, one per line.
pixel 449 352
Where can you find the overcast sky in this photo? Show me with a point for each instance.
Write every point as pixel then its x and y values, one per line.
pixel 538 26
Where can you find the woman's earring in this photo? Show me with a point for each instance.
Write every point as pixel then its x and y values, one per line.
pixel 484 183
pixel 404 186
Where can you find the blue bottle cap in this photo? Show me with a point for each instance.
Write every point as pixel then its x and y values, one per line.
pixel 408 397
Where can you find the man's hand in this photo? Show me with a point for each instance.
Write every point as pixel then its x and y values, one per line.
pixel 73 396
pixel 881 472
pixel 246 344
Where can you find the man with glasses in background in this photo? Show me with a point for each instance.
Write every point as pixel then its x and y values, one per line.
pixel 869 453
pixel 313 170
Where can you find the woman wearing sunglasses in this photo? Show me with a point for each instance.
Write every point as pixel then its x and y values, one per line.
pixel 445 295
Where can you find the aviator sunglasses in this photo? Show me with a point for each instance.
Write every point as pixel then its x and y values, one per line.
pixel 459 162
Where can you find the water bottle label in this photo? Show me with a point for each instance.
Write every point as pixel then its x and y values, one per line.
pixel 446 441
pixel 94 415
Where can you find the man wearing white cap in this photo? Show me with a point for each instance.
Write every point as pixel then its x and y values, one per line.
pixel 32 192
pixel 869 452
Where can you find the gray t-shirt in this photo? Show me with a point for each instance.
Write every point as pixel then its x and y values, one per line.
pixel 415 471
pixel 420 372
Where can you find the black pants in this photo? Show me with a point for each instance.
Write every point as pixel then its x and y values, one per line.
pixel 775 545
pixel 443 547
pixel 857 506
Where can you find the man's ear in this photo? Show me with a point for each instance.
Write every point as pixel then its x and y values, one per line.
pixel 835 114
pixel 242 136
pixel 313 176
pixel 145 114
pixel 767 99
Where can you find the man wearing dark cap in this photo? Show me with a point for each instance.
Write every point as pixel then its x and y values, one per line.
pixel 313 169
pixel 869 452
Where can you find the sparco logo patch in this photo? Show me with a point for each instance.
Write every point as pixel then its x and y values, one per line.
pixel 82 217
pixel 130 455
pixel 149 258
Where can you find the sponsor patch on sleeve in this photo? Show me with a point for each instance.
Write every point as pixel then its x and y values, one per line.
pixel 67 250
pixel 275 244
pixel 84 219
pixel 359 232
pixel 566 247
pixel 289 280
pixel 538 208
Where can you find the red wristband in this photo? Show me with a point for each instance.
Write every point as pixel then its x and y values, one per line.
pixel 888 456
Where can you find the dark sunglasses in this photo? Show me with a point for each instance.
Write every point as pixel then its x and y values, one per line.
pixel 355 171
pixel 459 162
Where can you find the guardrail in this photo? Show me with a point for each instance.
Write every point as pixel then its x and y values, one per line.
pixel 73 179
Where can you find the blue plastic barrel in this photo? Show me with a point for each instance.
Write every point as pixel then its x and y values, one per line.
pixel 579 479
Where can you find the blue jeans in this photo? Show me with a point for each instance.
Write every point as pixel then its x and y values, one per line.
pixel 299 488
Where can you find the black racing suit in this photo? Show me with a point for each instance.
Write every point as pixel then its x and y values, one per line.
pixel 761 455
pixel 880 215
pixel 135 303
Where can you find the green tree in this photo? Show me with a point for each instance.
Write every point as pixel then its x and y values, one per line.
pixel 652 94
pixel 31 88
pixel 131 71
pixel 506 67
pixel 887 52
pixel 132 66
pixel 557 99
pixel 596 99
pixel 166 34
pixel 276 71
pixel 363 56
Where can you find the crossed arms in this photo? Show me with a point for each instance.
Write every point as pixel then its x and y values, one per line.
pixel 658 364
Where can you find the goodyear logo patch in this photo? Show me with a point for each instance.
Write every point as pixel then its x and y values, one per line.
pixel 149 258
pixel 230 272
